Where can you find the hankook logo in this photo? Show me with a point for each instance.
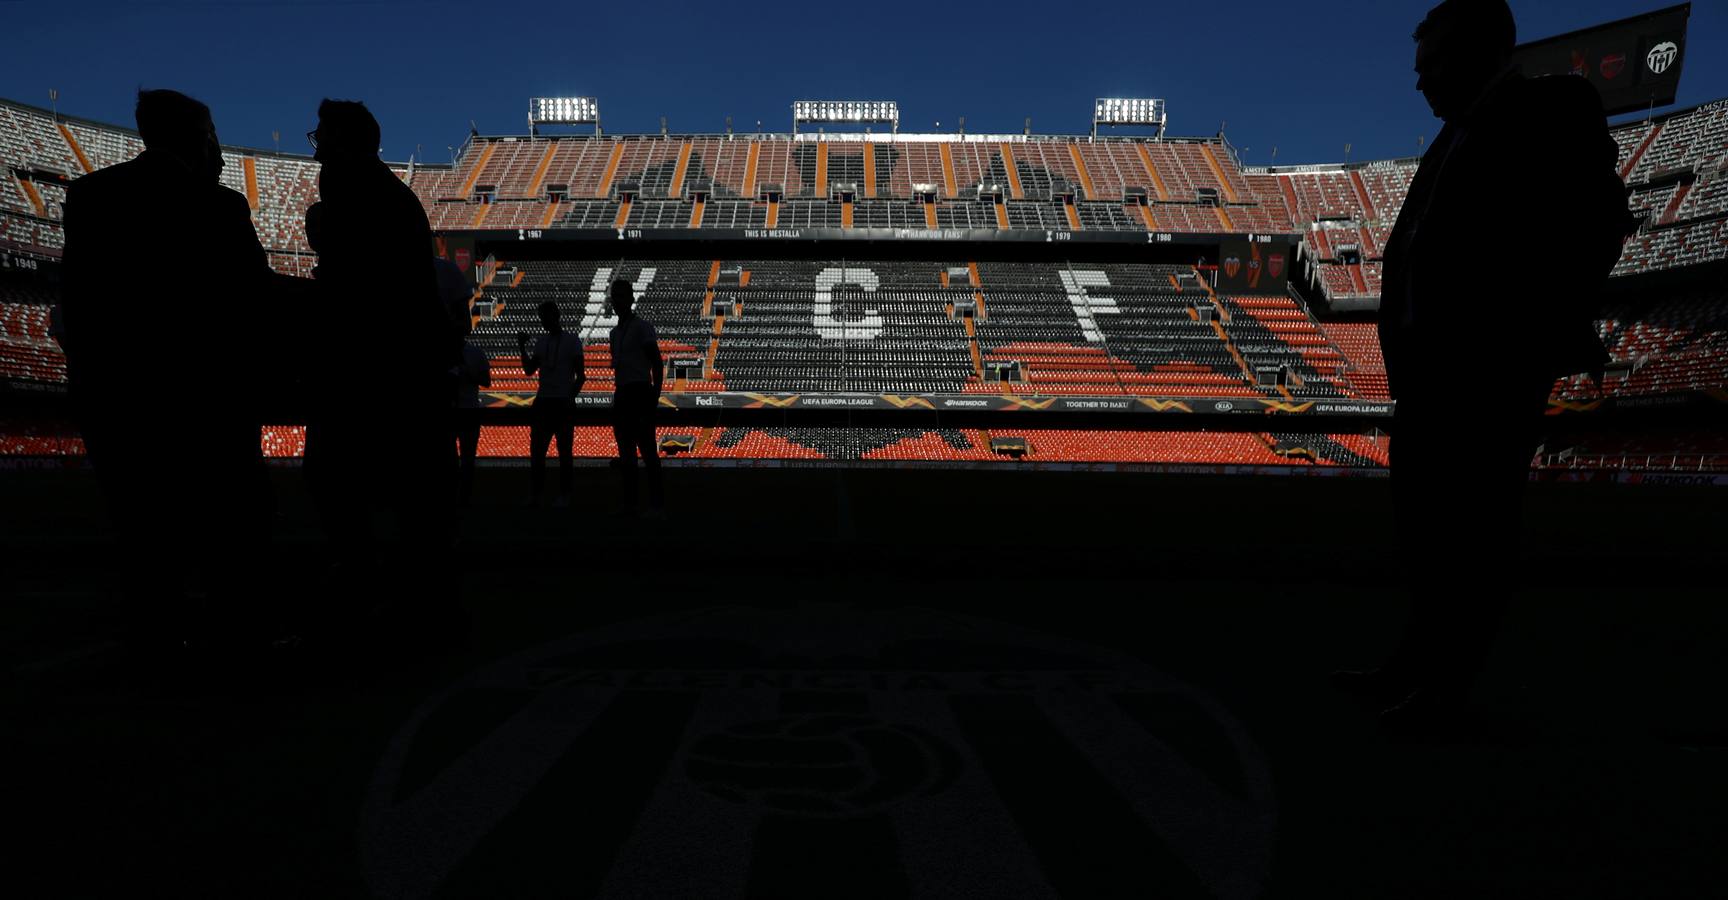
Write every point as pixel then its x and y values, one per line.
pixel 737 752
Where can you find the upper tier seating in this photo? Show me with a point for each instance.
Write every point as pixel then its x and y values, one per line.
pixel 521 174
pixel 1365 373
pixel 1698 137
pixel 1675 345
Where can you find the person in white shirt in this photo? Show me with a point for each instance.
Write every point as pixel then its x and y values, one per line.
pixel 557 357
pixel 639 375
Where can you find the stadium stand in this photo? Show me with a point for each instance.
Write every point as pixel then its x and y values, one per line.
pixel 27 353
pixel 879 325
pixel 1364 374
pixel 1684 451
pixel 1673 247
pixel 1685 139
pixel 876 327
pixel 1673 345
pixel 1674 163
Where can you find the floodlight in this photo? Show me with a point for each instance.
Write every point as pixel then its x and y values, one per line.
pixel 1128 111
pixel 563 111
pixel 853 111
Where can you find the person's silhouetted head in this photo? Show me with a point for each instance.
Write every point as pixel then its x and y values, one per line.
pixel 172 123
pixel 549 316
pixel 1460 47
pixel 623 297
pixel 346 132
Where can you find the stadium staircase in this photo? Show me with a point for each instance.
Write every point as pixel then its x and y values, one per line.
pixel 249 167
pixel 1085 176
pixel 77 151
pixel 540 170
pixel 1152 172
pixel 821 185
pixel 750 169
pixel 605 188
pixel 1218 173
pixel 35 196
pixel 474 173
pixel 678 172
pixel 1015 191
pixel 1362 195
pixel 1672 210
pixel 1638 154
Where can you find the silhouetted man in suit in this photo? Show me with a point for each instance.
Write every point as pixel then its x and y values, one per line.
pixel 1476 324
pixel 163 364
pixel 383 436
pixel 638 375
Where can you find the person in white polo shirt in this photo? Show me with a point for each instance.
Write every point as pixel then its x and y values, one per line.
pixel 557 357
pixel 639 376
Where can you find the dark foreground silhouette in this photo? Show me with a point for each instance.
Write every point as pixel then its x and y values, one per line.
pixel 639 374
pixel 1542 145
pixel 393 452
pixel 172 433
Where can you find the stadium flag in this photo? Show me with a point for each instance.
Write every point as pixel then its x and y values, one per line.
pixel 1634 62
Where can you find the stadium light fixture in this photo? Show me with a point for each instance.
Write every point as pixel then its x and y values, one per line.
pixel 854 112
pixel 1128 111
pixel 563 111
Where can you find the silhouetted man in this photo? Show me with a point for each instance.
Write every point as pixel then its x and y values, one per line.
pixel 384 435
pixel 473 372
pixel 163 369
pixel 1476 326
pixel 638 376
pixel 557 357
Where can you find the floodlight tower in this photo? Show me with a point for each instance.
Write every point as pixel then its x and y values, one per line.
pixel 562 111
pixel 1115 111
pixel 849 112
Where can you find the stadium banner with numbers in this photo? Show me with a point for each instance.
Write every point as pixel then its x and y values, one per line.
pixel 1634 62
pixel 949 403
pixel 852 235
pixel 907 244
pixel 25 262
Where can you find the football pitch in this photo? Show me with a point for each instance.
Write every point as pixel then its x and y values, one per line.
pixel 877 683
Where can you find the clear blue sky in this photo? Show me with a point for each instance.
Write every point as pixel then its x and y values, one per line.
pixel 1281 74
